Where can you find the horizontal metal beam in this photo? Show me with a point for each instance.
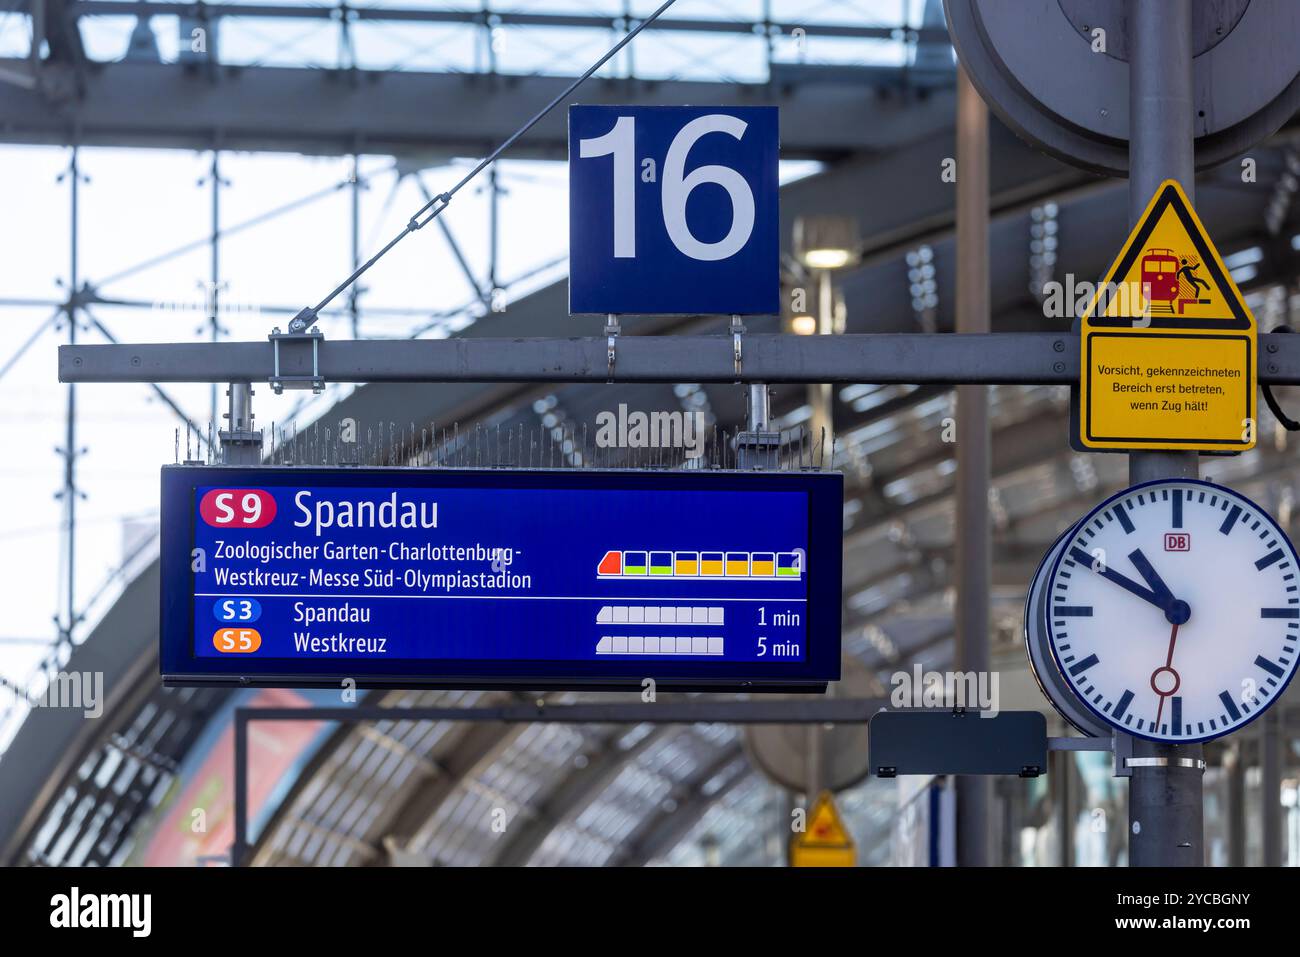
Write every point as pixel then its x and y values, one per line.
pixel 1031 358
pixel 427 115
pixel 812 710
pixel 280 11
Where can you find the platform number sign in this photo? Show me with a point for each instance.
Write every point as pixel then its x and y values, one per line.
pixel 673 210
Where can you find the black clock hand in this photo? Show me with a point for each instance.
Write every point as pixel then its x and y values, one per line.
pixel 1105 571
pixel 1177 612
pixel 1149 575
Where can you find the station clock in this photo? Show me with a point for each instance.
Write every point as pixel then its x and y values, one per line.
pixel 1171 612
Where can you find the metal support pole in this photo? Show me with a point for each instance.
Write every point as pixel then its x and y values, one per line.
pixel 215 245
pixel 821 425
pixel 629 71
pixel 758 447
pixel 821 395
pixel 1166 803
pixel 354 310
pixel 1065 766
pixel 813 766
pixel 1235 771
pixel 241 444
pixel 973 552
pixel 70 491
pixel 239 847
pixel 494 223
pixel 760 407
pixel 240 416
pixel 1270 784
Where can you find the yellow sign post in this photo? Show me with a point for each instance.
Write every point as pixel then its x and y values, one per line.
pixel 826 841
pixel 1169 347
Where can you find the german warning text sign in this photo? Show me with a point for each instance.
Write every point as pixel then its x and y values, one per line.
pixel 1168 357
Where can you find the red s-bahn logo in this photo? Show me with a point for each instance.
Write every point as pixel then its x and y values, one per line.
pixel 237 508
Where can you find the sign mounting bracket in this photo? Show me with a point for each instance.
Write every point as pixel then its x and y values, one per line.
pixel 314 380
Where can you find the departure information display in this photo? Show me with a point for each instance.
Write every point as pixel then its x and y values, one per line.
pixel 460 578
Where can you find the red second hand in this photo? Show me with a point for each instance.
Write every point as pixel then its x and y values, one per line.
pixel 1169 662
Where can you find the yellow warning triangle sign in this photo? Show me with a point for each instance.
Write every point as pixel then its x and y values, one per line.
pixel 1170 272
pixel 825 842
pixel 1169 347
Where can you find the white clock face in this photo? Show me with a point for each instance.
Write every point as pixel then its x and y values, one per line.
pixel 1173 611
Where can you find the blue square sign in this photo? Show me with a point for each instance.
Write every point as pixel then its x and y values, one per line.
pixel 673 210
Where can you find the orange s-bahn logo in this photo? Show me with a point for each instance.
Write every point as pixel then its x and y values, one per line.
pixel 237 641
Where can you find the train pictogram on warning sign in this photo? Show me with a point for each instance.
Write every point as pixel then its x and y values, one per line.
pixel 1170 281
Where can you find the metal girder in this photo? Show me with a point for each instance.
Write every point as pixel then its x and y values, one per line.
pixel 1026 358
pixel 476 745
pixel 503 18
pixel 1014 561
pixel 898 206
pixel 996 359
pixel 324 761
pixel 574 795
pixel 1019 557
pixel 1032 442
pixel 924 580
pixel 806 710
pixel 663 831
pixel 337 112
pixel 492 728
pixel 892 194
pixel 59 26
pixel 1016 445
pixel 353 777
pixel 52 743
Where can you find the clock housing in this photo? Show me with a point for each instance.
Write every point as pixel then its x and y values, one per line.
pixel 1173 611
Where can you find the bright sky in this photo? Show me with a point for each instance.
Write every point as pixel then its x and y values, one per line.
pixel 137 204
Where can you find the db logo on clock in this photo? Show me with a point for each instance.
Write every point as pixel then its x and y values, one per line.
pixel 1178 542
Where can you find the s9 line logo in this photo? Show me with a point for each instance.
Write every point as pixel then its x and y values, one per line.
pixel 237 508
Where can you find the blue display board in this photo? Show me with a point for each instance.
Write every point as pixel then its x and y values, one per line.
pixel 673 210
pixel 445 578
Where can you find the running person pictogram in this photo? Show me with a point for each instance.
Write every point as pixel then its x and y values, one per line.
pixel 1188 272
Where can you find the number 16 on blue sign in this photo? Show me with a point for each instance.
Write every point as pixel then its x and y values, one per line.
pixel 673 210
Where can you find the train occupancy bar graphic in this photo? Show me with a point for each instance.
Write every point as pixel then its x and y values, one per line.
pixel 731 565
